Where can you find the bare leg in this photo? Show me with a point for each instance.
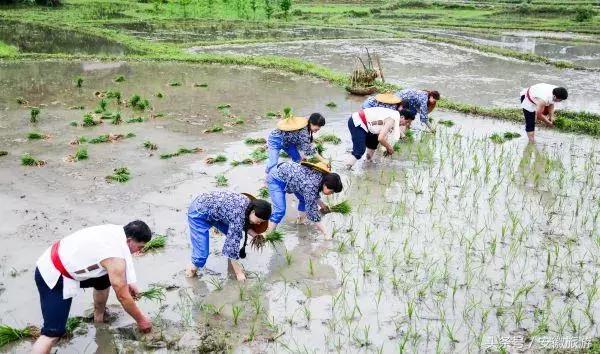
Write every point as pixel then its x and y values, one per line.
pixel 370 153
pixel 100 298
pixel 44 344
pixel 531 136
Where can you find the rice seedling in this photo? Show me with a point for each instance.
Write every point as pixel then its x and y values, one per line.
pixel 328 138
pixel 313 159
pixel 77 107
pixel 497 138
pixel 447 123
pixel 10 334
pixel 320 148
pixel 22 101
pixel 343 208
pixel 73 123
pixel 255 141
pixel 236 311
pixel 155 293
pixel 116 119
pixel 150 145
pixel 114 94
pixel 511 135
pixel 102 105
pixel 89 121
pixel 135 120
pixel 215 159
pixel 271 114
pixel 81 154
pixel 221 181
pixel 200 85
pixel 121 175
pixel 215 129
pixel 263 192
pixel 274 238
pixel 3 152
pixel 159 95
pixel 36 136
pixel 181 151
pixel 311 268
pixel 288 257
pixel 72 324
pixel 120 78
pixel 156 242
pixel 223 106
pixel 216 282
pixel 174 83
pixel 331 104
pixel 259 154
pixel 138 103
pixel 287 112
pixel 34 114
pixel 78 82
pixel 99 139
pixel 247 161
pixel 28 160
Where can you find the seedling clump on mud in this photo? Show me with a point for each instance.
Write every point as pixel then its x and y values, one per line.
pixel 329 138
pixel 10 334
pixel 137 103
pixel 331 104
pixel 89 121
pixel 180 152
pixel 215 159
pixel 447 123
pixel 33 114
pixel 215 129
pixel 21 100
pixel 28 160
pixel 159 95
pixel 255 141
pixel 259 154
pixel 120 78
pixel 3 152
pixel 120 174
pixel 221 181
pixel 81 154
pixel 175 83
pixel 157 241
pixel 135 120
pixel 79 81
pixel 201 85
pixel 36 136
pixel 150 145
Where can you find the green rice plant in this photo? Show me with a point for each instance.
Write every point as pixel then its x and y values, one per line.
pixel 35 136
pixel 3 152
pixel 10 334
pixel 78 81
pixel 100 139
pixel 271 114
pixel 102 105
pixel 497 138
pixel 313 159
pixel 73 123
pixel 120 175
pixel 116 119
pixel 328 138
pixel 215 129
pixel 155 293
pixel 120 78
pixel 236 311
pixel 288 257
pixel 263 192
pixel 331 104
pixel 447 123
pixel 159 95
pixel 259 154
pixel 216 282
pixel 255 141
pixel 181 151
pixel 89 121
pixel 511 135
pixel 72 324
pixel 114 94
pixel 287 112
pixel 223 106
pixel 135 120
pixel 28 160
pixel 274 238
pixel 138 103
pixel 200 85
pixel 343 208
pixel 311 268
pixel 320 148
pixel 221 181
pixel 77 107
pixel 174 83
pixel 156 242
pixel 216 159
pixel 21 100
pixel 33 114
pixel 150 145
pixel 81 154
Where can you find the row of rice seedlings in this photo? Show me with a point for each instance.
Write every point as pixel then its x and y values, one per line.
pixel 120 174
pixel 104 138
pixel 215 159
pixel 181 151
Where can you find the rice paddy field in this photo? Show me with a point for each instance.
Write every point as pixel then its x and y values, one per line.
pixel 468 240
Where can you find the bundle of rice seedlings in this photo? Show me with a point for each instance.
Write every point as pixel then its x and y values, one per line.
pixel 73 123
pixel 287 112
pixel 102 104
pixel 283 154
pixel 263 192
pixel 497 138
pixel 120 78
pixel 3 152
pixel 259 154
pixel 313 159
pixel 174 83
pixel 215 129
pixel 21 100
pixel 155 293
pixel 201 85
pixel 130 135
pixel 180 152
pixel 224 106
pixel 331 104
pixel 36 136
pixel 135 120
pixel 511 135
pixel 328 138
pixel 342 208
pixel 150 145
pixel 246 161
pixel 72 324
pixel 116 119
pixel 9 334
pixel 34 113
pixel 320 148
pixel 255 141
pixel 76 107
pixel 89 121
pixel 159 95
pixel 81 154
pixel 447 123
pixel 120 174
pixel 219 158
pixel 28 160
pixel 114 94
pixel 78 81
pixel 157 241
pixel 273 238
pixel 221 181
pixel 271 114
pixel 100 139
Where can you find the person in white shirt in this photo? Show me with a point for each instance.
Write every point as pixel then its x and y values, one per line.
pixel 370 127
pixel 98 257
pixel 537 103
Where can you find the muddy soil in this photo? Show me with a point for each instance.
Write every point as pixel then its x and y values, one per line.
pixel 459 74
pixel 414 241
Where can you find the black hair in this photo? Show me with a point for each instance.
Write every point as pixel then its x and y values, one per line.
pixel 138 230
pixel 332 181
pixel 560 93
pixel 262 209
pixel 407 114
pixel 315 119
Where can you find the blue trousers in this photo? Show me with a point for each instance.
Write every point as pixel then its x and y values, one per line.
pixel 199 236
pixel 275 144
pixel 361 140
pixel 277 194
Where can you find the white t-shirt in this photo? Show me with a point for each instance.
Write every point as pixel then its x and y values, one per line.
pixel 85 248
pixel 379 114
pixel 537 92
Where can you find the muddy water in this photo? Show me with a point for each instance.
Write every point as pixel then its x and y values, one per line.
pixel 193 32
pixel 419 238
pixel 39 39
pixel 460 74
pixel 580 53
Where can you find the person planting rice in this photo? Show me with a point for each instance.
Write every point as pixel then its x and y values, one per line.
pixel 294 135
pixel 233 214
pixel 371 126
pixel 385 100
pixel 98 257
pixel 420 101
pixel 537 103
pixel 306 180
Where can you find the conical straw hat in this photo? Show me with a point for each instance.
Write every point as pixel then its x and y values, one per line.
pixel 292 123
pixel 388 98
pixel 319 166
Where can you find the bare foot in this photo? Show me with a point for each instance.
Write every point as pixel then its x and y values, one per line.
pixel 191 272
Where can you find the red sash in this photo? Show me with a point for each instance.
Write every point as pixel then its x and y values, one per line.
pixel 529 97
pixel 363 117
pixel 57 262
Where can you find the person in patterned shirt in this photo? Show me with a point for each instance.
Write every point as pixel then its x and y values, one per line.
pixel 235 215
pixel 297 143
pixel 419 101
pixel 306 181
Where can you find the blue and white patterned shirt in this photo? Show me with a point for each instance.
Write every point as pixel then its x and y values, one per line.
pixel 304 181
pixel 371 102
pixel 299 138
pixel 228 208
pixel 416 101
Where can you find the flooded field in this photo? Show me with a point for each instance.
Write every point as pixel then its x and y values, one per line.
pixel 194 32
pixel 459 74
pixel 32 38
pixel 453 243
pixel 578 52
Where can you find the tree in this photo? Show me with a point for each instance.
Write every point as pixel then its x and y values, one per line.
pixel 285 6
